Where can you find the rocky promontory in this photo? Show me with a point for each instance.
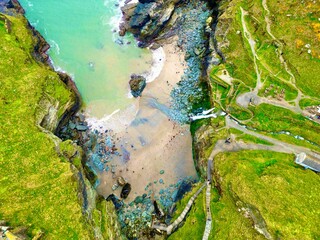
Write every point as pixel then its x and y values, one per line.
pixel 147 19
pixel 137 84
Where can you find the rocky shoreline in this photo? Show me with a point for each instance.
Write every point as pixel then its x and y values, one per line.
pixel 88 198
pixel 154 24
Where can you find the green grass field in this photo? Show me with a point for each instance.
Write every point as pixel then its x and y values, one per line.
pixel 285 194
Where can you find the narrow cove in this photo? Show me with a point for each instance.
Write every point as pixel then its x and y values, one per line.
pixel 132 139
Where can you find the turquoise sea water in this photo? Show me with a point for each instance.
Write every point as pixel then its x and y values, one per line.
pixel 83 44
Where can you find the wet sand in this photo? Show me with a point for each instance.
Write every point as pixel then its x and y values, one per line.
pixel 147 140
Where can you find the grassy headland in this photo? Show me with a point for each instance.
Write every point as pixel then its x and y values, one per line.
pixel 38 186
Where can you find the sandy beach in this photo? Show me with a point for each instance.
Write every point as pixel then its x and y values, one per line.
pixel 151 142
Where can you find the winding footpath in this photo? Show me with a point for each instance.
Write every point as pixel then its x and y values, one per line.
pixel 252 97
pixel 280 45
pixel 207 229
pixel 252 44
pixel 173 226
pixel 278 146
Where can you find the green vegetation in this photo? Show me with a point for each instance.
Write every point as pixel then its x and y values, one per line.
pixel 194 225
pixel 228 223
pixel 278 89
pixel 276 191
pixel 285 194
pixel 299 27
pixel 269 118
pixel 239 112
pixel 38 189
pixel 307 102
pixel 236 50
pixel 249 138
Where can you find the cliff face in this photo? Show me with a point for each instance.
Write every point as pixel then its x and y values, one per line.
pixel 43 186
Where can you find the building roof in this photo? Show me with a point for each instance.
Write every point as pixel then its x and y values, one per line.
pixel 308 161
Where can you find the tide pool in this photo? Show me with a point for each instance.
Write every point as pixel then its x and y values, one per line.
pixel 84 44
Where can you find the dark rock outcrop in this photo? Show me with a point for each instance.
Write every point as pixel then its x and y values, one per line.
pixel 147 18
pixel 137 85
pixel 147 1
pixel 125 191
pixel 11 7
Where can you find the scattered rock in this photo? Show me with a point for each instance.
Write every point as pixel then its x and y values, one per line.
pixel 81 128
pixel 159 212
pixel 138 199
pixel 115 187
pixel 121 181
pixel 122 30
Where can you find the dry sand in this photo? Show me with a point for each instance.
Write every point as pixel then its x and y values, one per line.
pixel 152 141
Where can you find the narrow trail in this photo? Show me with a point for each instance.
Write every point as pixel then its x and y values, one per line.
pixel 252 97
pixel 252 44
pixel 280 45
pixel 279 146
pixel 173 226
pixel 280 53
pixel 207 229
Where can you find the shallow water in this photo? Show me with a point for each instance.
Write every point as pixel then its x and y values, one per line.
pixel 83 44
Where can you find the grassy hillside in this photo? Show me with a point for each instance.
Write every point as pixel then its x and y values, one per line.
pixel 271 49
pixel 37 187
pixel 285 194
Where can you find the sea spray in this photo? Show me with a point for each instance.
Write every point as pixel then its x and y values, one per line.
pixel 158 60
pixel 118 120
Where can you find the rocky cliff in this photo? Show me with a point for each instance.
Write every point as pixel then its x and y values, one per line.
pixel 44 176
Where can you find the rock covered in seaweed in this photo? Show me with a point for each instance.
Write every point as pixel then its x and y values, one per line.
pixel 137 85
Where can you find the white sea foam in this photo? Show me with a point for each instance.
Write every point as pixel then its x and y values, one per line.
pixel 60 69
pixel 117 121
pixel 116 18
pixel 54 46
pixel 35 24
pixel 116 13
pixel 158 60
pixel 30 4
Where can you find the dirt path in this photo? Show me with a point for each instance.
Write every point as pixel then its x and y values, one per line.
pixel 173 226
pixel 252 44
pixel 279 146
pixel 252 97
pixel 280 45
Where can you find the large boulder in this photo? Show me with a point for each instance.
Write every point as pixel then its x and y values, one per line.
pixel 137 85
pixel 125 191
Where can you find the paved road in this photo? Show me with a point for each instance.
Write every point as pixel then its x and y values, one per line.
pixel 279 146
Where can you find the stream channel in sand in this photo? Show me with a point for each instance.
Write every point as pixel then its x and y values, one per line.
pixel 83 43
